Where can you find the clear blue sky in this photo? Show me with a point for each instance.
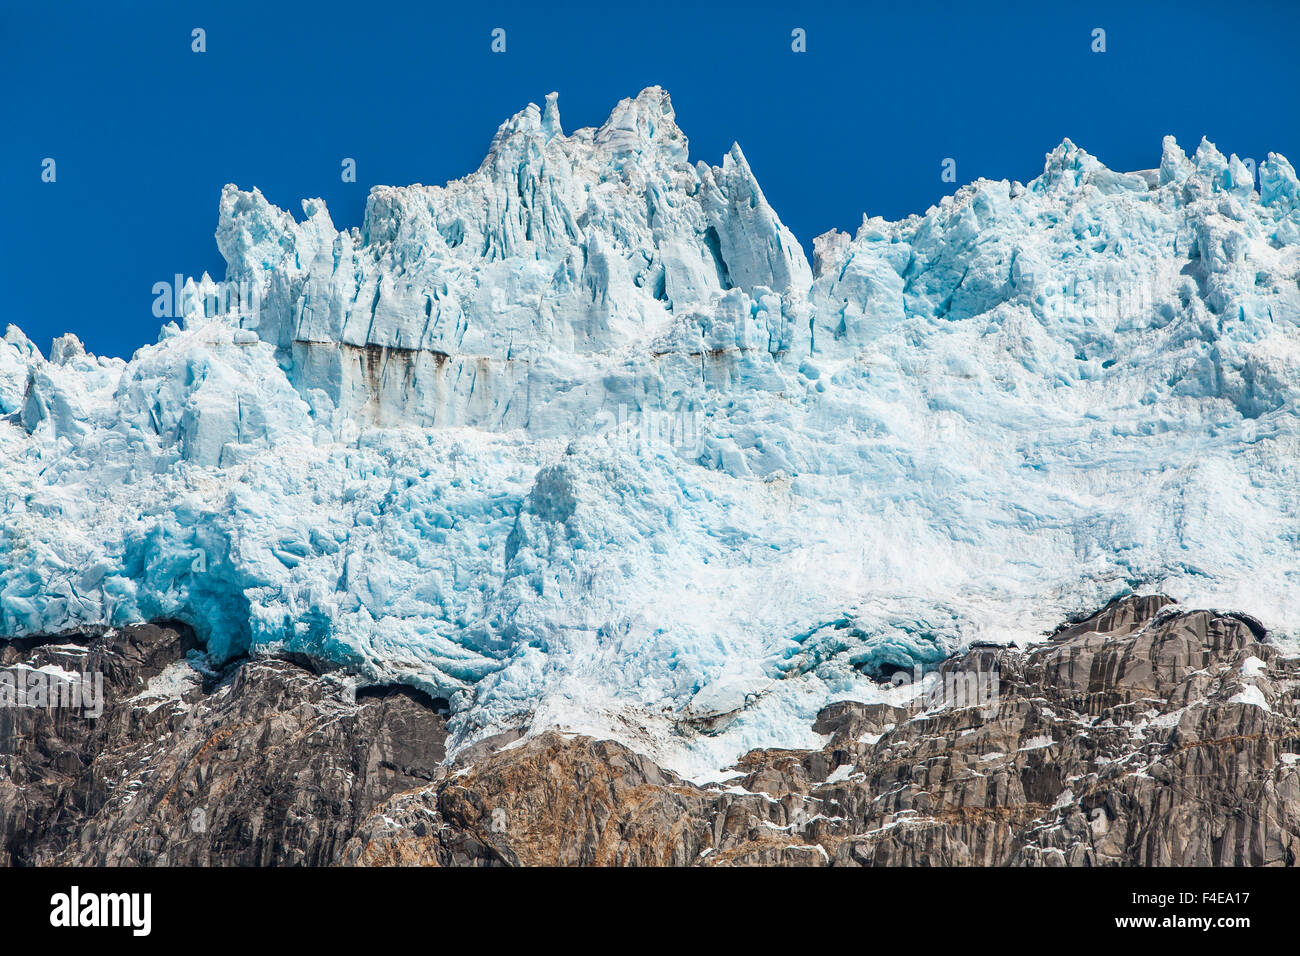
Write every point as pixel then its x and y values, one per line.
pixel 145 133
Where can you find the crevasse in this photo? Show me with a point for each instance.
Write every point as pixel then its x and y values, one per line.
pixel 583 441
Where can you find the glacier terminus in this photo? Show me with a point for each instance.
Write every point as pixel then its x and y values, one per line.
pixel 583 442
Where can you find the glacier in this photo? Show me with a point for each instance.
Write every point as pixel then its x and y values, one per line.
pixel 583 441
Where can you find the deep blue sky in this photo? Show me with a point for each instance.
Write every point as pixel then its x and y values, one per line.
pixel 145 132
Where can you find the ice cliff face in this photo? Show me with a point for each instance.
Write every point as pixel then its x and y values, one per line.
pixel 516 296
pixel 582 440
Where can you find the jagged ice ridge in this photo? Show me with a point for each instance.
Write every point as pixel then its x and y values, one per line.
pixel 582 439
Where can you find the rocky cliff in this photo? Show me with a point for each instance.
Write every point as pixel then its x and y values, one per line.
pixel 1144 734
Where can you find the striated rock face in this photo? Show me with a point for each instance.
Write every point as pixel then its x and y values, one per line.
pixel 265 763
pixel 554 800
pixel 1145 734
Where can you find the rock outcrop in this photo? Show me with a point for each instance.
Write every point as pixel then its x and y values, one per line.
pixel 1146 734
pixel 263 763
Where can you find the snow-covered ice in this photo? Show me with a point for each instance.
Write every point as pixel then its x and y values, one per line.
pixel 583 438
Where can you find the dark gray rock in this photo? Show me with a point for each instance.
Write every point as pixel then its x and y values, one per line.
pixel 265 763
pixel 1144 734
